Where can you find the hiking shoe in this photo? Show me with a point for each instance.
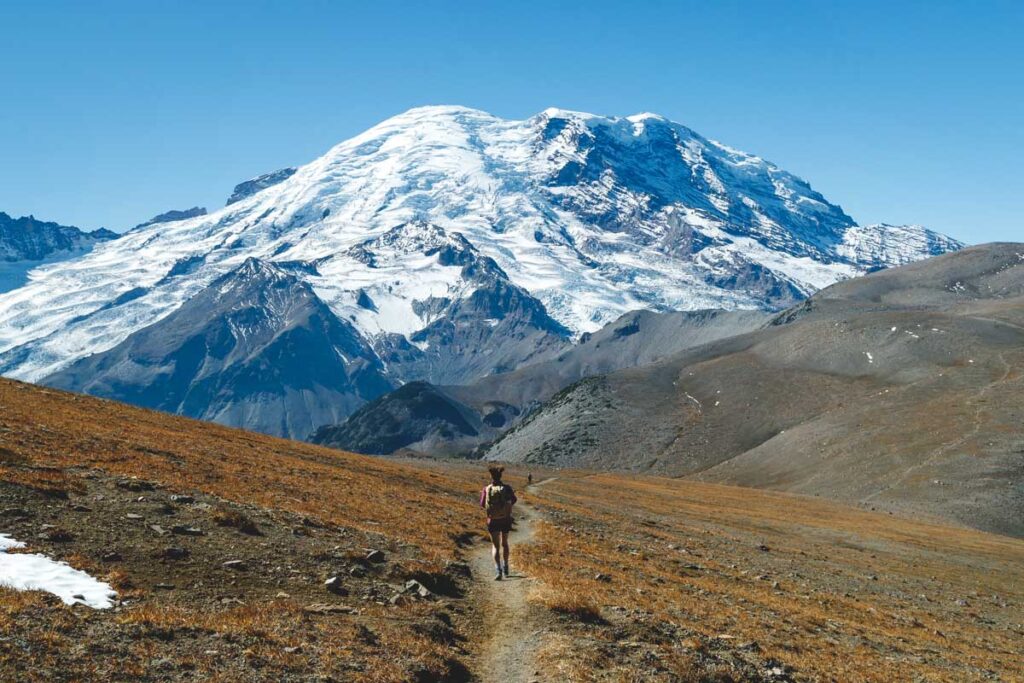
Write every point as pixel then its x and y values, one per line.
pixel 506 570
pixel 497 575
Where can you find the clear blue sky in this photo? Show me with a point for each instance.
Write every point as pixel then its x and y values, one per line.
pixel 903 112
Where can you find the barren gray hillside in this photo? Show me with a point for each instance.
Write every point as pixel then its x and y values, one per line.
pixel 455 419
pixel 900 390
pixel 636 338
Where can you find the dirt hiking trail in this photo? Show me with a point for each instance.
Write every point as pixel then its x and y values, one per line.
pixel 511 629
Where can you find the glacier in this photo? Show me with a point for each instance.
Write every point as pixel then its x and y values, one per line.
pixel 593 216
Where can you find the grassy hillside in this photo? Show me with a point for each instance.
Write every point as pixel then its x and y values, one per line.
pixel 701 582
pixel 311 513
pixel 628 578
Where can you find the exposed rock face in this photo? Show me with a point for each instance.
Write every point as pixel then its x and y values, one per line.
pixel 259 183
pixel 174 215
pixel 29 239
pixel 27 244
pixel 483 325
pixel 256 349
pixel 416 416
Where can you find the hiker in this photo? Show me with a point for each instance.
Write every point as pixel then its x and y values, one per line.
pixel 497 499
pixel 529 479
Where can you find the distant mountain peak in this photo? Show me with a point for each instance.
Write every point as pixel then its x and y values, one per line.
pixel 254 268
pixel 458 243
pixel 30 239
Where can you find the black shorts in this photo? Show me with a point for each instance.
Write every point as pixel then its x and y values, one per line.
pixel 495 525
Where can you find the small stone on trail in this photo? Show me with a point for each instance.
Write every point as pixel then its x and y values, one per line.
pixel 159 530
pixel 57 535
pixel 183 530
pixel 132 515
pixel 321 608
pixel 357 572
pixel 458 569
pixel 174 553
pixel 112 556
pixel 414 586
pixel 334 585
pixel 237 565
pixel 602 577
pixel 375 556
pixel 399 599
pixel 135 485
pixel 763 548
pixel 184 500
pixel 293 650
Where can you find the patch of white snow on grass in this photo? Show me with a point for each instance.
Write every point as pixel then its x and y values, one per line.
pixel 30 571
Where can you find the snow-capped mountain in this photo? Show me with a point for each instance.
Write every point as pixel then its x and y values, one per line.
pixel 30 239
pixel 27 243
pixel 572 220
pixel 257 348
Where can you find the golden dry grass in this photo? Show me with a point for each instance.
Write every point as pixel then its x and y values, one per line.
pixel 836 593
pixel 61 435
pixel 51 441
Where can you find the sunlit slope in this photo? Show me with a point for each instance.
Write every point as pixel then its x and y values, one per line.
pixel 898 390
pixel 669 580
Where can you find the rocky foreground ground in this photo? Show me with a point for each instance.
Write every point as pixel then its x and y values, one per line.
pixel 237 557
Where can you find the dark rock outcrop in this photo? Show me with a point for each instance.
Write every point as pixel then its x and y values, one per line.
pixel 174 215
pixel 256 349
pixel 251 187
pixel 416 416
pixel 30 239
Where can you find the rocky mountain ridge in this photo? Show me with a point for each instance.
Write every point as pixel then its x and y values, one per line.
pixel 898 390
pixel 554 226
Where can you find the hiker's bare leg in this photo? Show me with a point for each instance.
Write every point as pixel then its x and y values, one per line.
pixel 496 547
pixel 504 546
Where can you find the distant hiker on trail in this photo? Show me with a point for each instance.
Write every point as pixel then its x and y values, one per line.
pixel 529 479
pixel 497 499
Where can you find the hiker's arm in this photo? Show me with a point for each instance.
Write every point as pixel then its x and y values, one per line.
pixel 483 497
pixel 514 499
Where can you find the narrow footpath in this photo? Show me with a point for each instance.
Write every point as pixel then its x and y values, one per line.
pixel 510 630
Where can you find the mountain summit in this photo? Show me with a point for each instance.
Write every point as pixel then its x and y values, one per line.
pixel 552 227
